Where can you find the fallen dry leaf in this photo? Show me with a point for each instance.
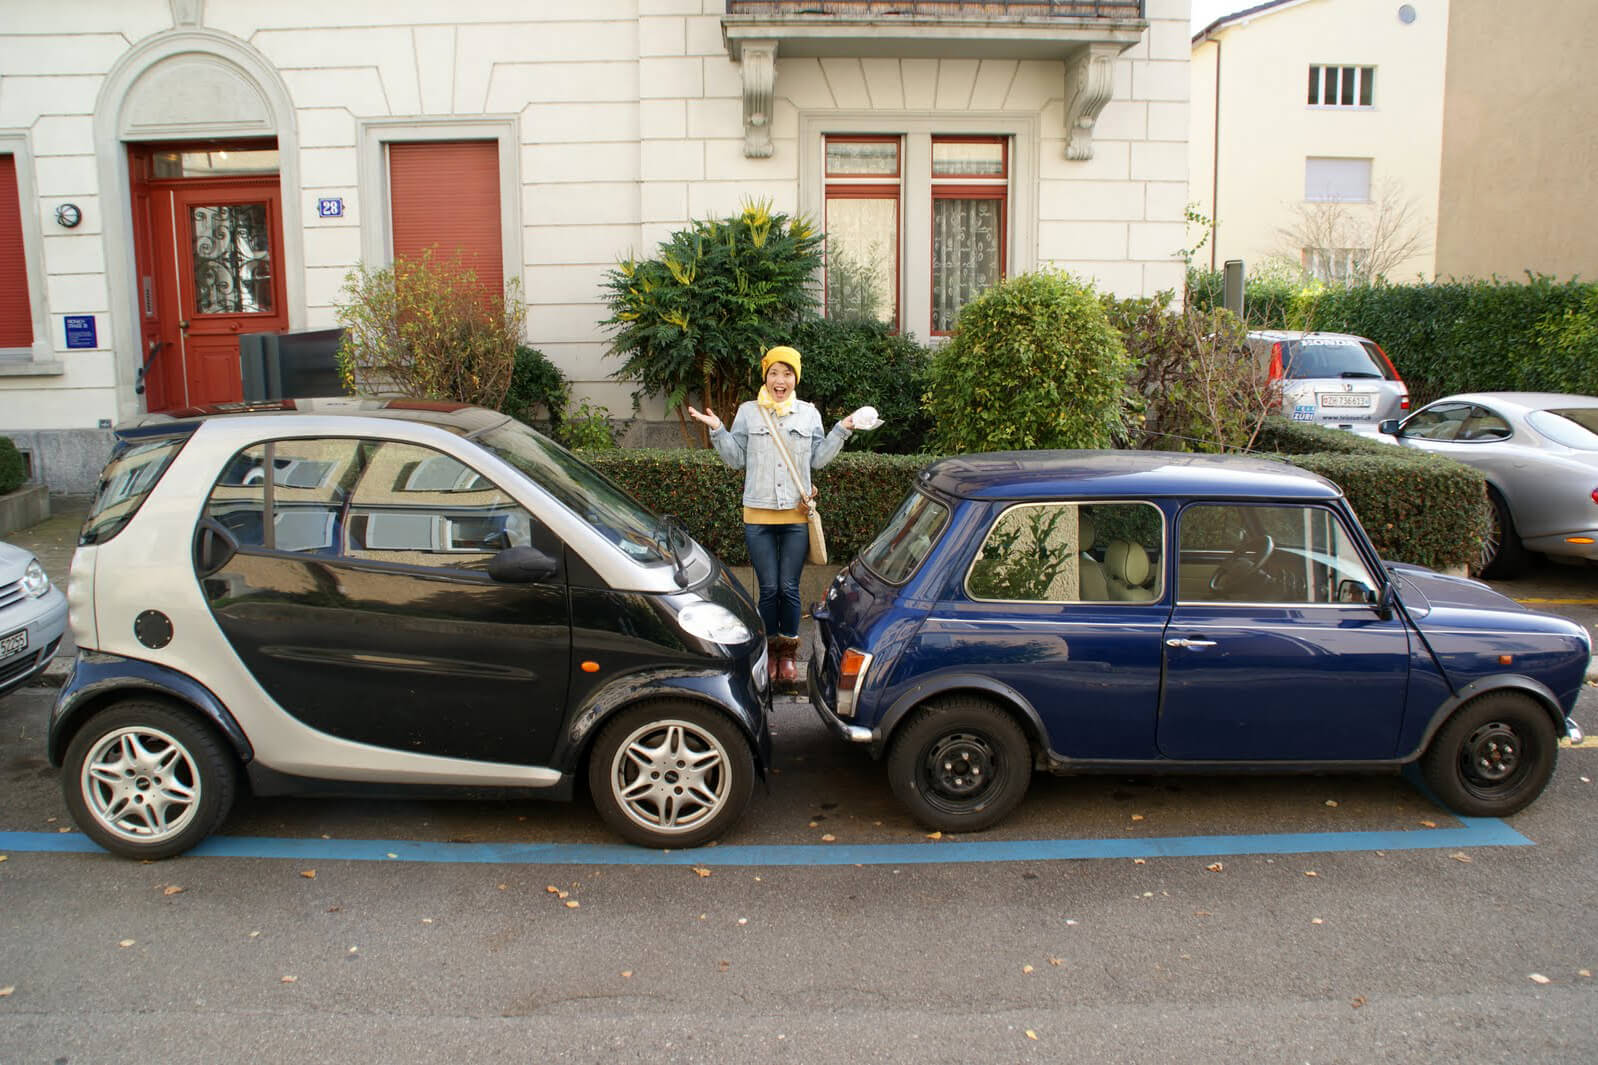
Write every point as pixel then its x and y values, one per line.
pixel 1359 1000
pixel 1311 872
pixel 1202 913
pixel 255 935
pixel 288 979
pixel 562 894
pixel 723 965
pixel 1030 1034
pixel 1140 861
pixel 391 854
pixel 1331 802
pixel 829 838
pixel 1460 857
pixel 355 950
pixel 572 904
pixel 813 824
pixel 64 828
pixel 1137 817
pixel 743 920
pixel 552 889
pixel 934 835
pixel 626 974
pixel 1056 961
pixel 309 874
pixel 3 857
pixel 427 920
pixel 1215 867
pixel 1026 968
pixel 701 870
pixel 1583 972
pixel 1428 824
pixel 171 889
pixel 1316 920
pixel 5 992
pixel 1538 978
pixel 502 887
pixel 126 943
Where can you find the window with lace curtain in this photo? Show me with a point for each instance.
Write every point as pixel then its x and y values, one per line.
pixel 960 250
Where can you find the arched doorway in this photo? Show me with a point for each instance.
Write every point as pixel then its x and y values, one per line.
pixel 199 159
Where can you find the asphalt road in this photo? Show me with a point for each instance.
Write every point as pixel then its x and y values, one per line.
pixel 1398 934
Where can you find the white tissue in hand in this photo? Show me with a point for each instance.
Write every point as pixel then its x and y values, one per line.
pixel 866 418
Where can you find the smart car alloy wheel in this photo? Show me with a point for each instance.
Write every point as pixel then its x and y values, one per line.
pixel 146 782
pixel 670 776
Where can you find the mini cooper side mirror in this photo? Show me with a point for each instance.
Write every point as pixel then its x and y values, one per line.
pixel 1388 426
pixel 521 565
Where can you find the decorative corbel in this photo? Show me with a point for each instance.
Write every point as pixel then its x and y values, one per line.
pixel 759 62
pixel 1089 83
pixel 188 12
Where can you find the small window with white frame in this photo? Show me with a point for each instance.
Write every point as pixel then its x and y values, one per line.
pixel 1340 86
pixel 861 277
pixel 970 201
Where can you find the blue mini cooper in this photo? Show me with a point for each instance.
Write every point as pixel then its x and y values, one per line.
pixel 1083 611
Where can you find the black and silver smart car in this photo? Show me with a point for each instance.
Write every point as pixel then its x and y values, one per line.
pixel 356 595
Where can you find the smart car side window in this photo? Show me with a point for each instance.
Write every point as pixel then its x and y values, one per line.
pixel 1268 554
pixel 420 507
pixel 286 495
pixel 1071 553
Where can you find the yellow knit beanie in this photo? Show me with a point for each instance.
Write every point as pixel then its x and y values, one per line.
pixel 780 354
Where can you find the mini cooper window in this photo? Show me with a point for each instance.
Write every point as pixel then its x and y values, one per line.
pixel 909 535
pixel 127 479
pixel 1234 553
pixel 1071 553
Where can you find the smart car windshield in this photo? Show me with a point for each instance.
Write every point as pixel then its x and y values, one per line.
pixel 579 487
pixel 1575 427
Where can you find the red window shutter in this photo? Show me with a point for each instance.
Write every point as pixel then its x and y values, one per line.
pixel 445 195
pixel 16 314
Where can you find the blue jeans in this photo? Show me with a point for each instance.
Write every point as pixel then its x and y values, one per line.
pixel 778 554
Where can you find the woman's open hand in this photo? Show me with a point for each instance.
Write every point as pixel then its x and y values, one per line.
pixel 707 418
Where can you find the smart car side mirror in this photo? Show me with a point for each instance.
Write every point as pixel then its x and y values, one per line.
pixel 1389 426
pixel 522 565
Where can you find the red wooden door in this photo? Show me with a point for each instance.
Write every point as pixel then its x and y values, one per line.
pixel 217 246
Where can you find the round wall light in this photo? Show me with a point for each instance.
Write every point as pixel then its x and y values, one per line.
pixel 68 215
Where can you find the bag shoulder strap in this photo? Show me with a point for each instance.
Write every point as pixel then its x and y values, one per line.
pixel 782 449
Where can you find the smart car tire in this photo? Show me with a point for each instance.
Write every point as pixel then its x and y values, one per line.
pixel 1493 757
pixel 960 765
pixel 145 780
pixel 670 774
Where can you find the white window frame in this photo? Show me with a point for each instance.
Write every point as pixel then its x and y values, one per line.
pixel 1362 74
pixel 376 134
pixel 38 359
pixel 915 220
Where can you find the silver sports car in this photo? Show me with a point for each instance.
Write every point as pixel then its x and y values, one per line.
pixel 1539 451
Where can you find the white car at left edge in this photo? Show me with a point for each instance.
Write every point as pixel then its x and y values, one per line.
pixel 33 617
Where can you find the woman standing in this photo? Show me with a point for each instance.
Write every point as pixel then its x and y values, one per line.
pixel 775 517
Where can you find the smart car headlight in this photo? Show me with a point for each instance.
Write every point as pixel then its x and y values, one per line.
pixel 713 622
pixel 34 580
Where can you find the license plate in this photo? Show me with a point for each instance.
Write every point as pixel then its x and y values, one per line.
pixel 1344 399
pixel 13 643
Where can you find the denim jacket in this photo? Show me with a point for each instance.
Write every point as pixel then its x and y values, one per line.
pixel 748 445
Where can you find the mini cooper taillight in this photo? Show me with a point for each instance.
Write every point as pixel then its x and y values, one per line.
pixel 851 675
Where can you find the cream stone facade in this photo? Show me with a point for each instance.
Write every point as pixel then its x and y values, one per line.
pixel 1256 171
pixel 616 121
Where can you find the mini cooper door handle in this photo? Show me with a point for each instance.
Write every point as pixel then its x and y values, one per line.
pixel 1179 642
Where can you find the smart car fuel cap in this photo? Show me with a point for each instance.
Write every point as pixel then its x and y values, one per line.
pixel 153 629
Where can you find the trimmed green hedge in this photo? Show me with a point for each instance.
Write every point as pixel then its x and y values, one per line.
pixel 1416 507
pixel 1539 335
pixel 13 472
pixel 857 493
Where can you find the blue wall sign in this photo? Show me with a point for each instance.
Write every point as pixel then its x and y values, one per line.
pixel 80 331
pixel 330 207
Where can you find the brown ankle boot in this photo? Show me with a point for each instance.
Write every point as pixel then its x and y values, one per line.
pixel 772 652
pixel 787 662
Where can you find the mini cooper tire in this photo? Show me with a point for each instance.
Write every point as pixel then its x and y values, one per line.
pixel 144 780
pixel 670 774
pixel 1493 757
pixel 960 765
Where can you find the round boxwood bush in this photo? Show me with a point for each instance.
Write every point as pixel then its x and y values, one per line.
pixel 1033 363
pixel 12 471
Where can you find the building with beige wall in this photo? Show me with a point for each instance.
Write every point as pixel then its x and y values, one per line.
pixel 548 139
pixel 1519 178
pixel 1329 120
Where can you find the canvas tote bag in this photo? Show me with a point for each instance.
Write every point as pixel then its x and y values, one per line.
pixel 818 536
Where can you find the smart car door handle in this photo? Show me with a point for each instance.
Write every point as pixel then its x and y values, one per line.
pixel 1179 642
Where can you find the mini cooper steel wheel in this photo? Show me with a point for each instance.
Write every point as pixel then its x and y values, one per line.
pixel 1493 757
pixel 146 781
pixel 960 765
pixel 670 775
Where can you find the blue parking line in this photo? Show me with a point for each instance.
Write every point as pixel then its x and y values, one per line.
pixel 1474 832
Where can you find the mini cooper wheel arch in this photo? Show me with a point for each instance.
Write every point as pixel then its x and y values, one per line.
pixel 670 773
pixel 1493 756
pixel 145 779
pixel 1523 686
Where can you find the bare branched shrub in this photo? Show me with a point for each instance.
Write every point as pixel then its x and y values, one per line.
pixel 429 329
pixel 1365 241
